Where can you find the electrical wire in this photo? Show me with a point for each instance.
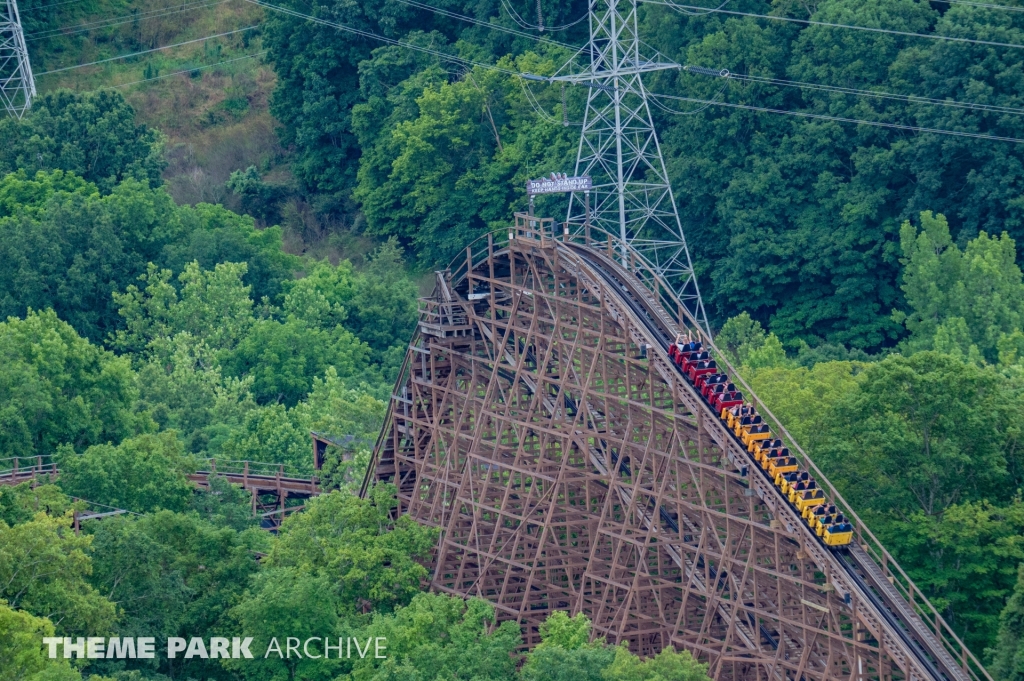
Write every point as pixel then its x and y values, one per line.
pixel 536 27
pixel 66 2
pixel 125 19
pixel 136 54
pixel 705 12
pixel 983 5
pixel 539 110
pixel 909 99
pixel 57 4
pixel 390 41
pixel 198 68
pixel 478 22
pixel 441 55
pixel 811 22
pixel 838 119
pixel 710 102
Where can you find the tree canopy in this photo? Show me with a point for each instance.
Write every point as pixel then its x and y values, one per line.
pixel 92 134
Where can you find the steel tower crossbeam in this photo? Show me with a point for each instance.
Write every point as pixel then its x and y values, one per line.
pixel 619 149
pixel 17 86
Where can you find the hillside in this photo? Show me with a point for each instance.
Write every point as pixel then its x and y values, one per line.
pixel 210 250
pixel 210 97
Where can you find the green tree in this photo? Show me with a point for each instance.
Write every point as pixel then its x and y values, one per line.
pixel 216 235
pixel 440 636
pixel 369 559
pixel 739 336
pixel 22 658
pixel 565 652
pixel 66 246
pixel 259 198
pixel 141 474
pixel 18 193
pixel 434 176
pixel 668 665
pixel 56 388
pixel 1007 658
pixel 966 562
pixel 322 298
pixel 21 503
pixel 804 399
pixel 213 306
pixel 270 435
pixel 383 307
pixel 44 570
pixel 225 505
pixel 284 357
pixel 72 253
pixel 292 601
pixel 964 302
pixel 922 433
pixel 353 417
pixel 187 391
pixel 92 134
pixel 173 574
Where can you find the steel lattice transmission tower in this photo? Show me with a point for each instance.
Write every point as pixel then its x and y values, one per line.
pixel 619 149
pixel 17 87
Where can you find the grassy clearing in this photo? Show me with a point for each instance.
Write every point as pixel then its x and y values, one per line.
pixel 209 97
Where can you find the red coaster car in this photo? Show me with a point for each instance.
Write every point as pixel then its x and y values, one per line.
pixel 727 401
pixel 704 366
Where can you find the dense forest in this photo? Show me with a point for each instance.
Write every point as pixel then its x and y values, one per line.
pixel 219 261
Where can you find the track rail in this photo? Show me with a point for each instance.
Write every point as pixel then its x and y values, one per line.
pixel 865 578
pixel 884 599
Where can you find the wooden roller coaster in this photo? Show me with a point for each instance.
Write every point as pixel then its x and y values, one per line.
pixel 539 423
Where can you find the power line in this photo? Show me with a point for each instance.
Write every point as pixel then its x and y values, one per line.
pixel 478 22
pixel 441 55
pixel 704 10
pixel 539 110
pixel 536 27
pixel 389 41
pixel 198 68
pixel 811 22
pixel 64 2
pixel 983 5
pixel 155 49
pixel 909 99
pixel 124 19
pixel 57 4
pixel 699 109
pixel 838 119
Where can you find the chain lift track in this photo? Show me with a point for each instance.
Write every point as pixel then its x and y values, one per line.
pixel 539 423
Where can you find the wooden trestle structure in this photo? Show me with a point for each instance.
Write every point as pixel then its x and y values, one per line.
pixel 539 423
pixel 275 490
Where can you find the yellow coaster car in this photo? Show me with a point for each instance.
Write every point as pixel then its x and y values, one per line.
pixel 786 482
pixel 813 515
pixel 732 419
pixel 755 434
pixel 783 464
pixel 826 521
pixel 767 459
pixel 744 423
pixel 798 480
pixel 839 534
pixel 762 447
pixel 806 498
